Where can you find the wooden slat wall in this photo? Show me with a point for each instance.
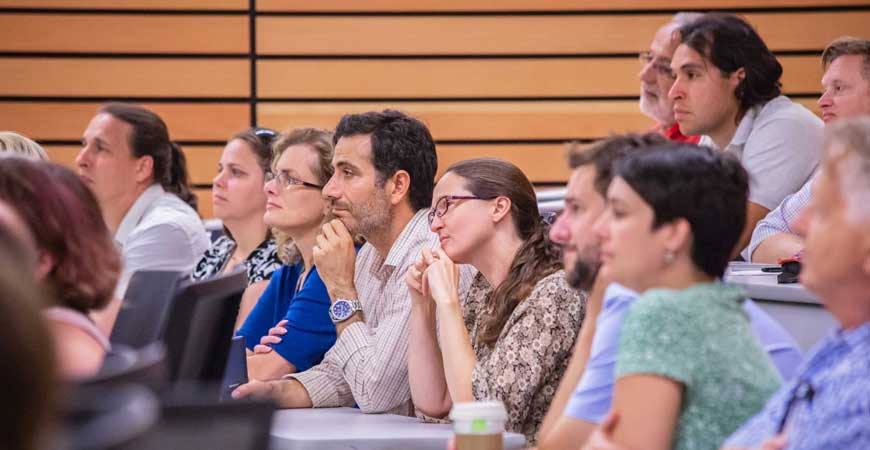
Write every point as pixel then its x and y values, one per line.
pixel 532 5
pixel 482 78
pixel 527 35
pixel 507 78
pixel 124 33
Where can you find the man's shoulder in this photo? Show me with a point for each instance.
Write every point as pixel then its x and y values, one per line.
pixel 170 213
pixel 782 112
pixel 414 238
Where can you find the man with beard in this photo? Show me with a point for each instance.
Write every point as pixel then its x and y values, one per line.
pixel 385 164
pixel 585 394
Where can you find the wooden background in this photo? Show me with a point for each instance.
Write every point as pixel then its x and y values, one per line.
pixel 507 78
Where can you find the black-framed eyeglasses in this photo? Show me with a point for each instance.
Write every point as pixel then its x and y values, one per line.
pixel 802 391
pixel 646 58
pixel 444 203
pixel 265 135
pixel 285 180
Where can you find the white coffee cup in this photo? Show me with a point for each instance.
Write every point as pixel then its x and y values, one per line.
pixel 479 425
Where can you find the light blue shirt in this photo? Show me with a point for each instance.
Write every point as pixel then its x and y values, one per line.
pixel 593 396
pixel 779 220
pixel 837 414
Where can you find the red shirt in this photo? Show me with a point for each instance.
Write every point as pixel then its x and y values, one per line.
pixel 673 133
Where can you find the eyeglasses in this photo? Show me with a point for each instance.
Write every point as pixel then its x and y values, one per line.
pixel 265 135
pixel 444 203
pixel 647 58
pixel 802 391
pixel 285 180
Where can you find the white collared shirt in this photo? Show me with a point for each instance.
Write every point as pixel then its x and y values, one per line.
pixel 779 143
pixel 159 232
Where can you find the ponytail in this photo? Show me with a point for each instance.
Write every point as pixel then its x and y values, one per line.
pixel 178 182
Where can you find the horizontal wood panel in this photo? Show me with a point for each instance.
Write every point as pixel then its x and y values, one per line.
pixel 67 121
pixel 475 120
pixel 201 160
pixel 477 78
pixel 128 4
pixel 63 154
pixel 204 207
pixel 533 5
pixel 147 77
pixel 542 163
pixel 124 33
pixel 422 35
pixel 809 30
pixel 397 35
pixel 482 120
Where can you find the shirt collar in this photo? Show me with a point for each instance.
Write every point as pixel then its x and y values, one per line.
pixel 855 338
pixel 741 134
pixel 616 292
pixel 419 224
pixel 673 132
pixel 136 212
pixel 745 127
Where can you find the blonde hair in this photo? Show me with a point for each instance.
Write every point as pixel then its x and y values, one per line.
pixel 321 141
pixel 851 162
pixel 12 142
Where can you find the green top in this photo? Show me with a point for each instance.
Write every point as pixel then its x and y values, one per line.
pixel 701 338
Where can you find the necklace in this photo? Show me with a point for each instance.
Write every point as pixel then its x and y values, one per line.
pixel 301 279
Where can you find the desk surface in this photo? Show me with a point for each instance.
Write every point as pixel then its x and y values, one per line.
pixel 764 286
pixel 348 428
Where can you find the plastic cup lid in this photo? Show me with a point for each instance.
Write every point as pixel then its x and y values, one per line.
pixel 489 409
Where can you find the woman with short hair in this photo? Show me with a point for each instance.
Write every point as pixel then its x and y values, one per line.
pixel 690 370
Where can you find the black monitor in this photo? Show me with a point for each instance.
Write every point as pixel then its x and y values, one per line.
pixel 200 328
pixel 145 309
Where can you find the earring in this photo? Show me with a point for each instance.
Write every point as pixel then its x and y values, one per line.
pixel 669 256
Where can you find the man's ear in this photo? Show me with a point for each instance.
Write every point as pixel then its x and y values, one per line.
pixel 737 77
pixel 500 208
pixel 398 186
pixel 144 169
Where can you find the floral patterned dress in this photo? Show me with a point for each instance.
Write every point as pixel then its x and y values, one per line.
pixel 259 264
pixel 524 367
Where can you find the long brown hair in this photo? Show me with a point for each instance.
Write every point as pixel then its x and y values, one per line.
pixel 536 258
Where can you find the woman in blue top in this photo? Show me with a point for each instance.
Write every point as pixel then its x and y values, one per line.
pixel 295 298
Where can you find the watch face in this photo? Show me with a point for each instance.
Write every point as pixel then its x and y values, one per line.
pixel 342 309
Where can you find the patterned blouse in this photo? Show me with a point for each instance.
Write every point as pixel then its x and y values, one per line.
pixel 259 264
pixel 701 338
pixel 524 367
